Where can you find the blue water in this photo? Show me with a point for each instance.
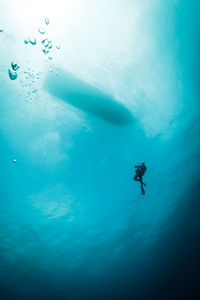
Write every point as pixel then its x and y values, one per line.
pixel 121 88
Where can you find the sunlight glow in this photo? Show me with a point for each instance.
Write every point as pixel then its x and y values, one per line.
pixel 34 12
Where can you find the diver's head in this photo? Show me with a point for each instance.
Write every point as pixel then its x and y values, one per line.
pixel 143 163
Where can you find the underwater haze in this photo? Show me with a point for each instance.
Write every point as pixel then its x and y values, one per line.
pixel 88 90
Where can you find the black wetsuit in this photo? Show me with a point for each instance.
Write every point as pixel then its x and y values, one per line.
pixel 140 170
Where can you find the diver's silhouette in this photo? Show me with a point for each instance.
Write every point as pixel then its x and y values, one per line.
pixel 140 170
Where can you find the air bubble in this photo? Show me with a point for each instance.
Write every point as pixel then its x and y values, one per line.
pixel 58 46
pixel 14 160
pixel 41 30
pixel 12 74
pixel 14 66
pixel 45 51
pixel 47 21
pixel 1 29
pixel 45 43
pixel 26 41
pixel 32 40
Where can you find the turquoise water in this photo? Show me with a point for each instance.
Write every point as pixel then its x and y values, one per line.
pixel 100 87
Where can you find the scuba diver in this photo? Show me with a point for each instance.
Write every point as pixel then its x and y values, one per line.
pixel 140 170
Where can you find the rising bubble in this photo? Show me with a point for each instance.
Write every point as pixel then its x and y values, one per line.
pixel 41 30
pixel 12 74
pixel 45 51
pixel 32 40
pixel 47 21
pixel 45 43
pixel 15 66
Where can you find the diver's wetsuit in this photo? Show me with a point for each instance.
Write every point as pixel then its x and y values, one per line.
pixel 140 170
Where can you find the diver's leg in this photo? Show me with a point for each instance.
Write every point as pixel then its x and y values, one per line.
pixel 136 178
pixel 143 182
pixel 142 189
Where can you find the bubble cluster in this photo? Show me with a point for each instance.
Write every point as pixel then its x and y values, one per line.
pixel 31 40
pixel 46 41
pixel 30 84
pixel 46 49
pixel 47 45
pixel 31 75
pixel 1 29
